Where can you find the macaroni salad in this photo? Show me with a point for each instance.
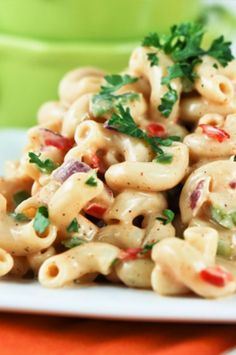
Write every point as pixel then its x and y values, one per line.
pixel 131 176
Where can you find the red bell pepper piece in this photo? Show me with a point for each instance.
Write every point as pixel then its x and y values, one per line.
pixel 130 254
pixel 156 130
pixel 216 276
pixel 97 163
pixel 215 133
pixel 95 210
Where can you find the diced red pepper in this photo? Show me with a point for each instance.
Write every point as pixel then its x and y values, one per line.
pixel 130 254
pixel 216 276
pixel 56 140
pixel 95 210
pixel 156 130
pixel 97 163
pixel 215 133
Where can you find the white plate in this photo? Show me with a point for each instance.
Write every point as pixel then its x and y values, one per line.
pixel 103 301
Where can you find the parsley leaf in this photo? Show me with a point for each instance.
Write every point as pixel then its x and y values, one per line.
pixel 124 123
pixel 73 226
pixel 92 181
pixel 153 59
pixel 164 159
pixel 167 102
pixel 46 166
pixel 20 196
pixel 73 242
pixel 170 215
pixel 20 217
pixel 220 50
pixel 184 46
pixel 152 40
pixel 106 101
pixel 115 82
pixel 41 220
pixel 147 247
pixel 175 71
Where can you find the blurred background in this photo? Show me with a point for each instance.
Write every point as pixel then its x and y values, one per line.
pixel 40 40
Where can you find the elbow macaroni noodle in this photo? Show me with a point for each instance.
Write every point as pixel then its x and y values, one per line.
pixel 108 197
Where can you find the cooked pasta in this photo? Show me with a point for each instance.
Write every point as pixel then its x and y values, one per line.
pixel 132 175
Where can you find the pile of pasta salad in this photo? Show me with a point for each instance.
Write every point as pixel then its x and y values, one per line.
pixel 131 176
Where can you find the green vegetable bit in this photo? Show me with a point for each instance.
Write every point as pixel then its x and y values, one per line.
pixel 92 181
pixel 116 82
pixel 41 220
pixel 147 247
pixel 226 220
pixel 170 215
pixel 164 159
pixel 105 103
pixel 224 249
pixel 168 101
pixel 45 166
pixel 124 123
pixel 73 242
pixel 20 196
pixel 73 226
pixel 20 217
pixel 106 100
pixel 153 59
pixel 184 46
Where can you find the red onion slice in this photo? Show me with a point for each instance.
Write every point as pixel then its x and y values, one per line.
pixel 69 168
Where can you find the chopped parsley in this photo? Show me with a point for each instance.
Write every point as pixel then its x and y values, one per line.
pixel 184 46
pixel 20 196
pixel 41 220
pixel 20 217
pixel 226 220
pixel 153 59
pixel 105 103
pixel 45 166
pixel 116 82
pixel 170 215
pixel 124 123
pixel 73 242
pixel 73 226
pixel 147 247
pixel 168 101
pixel 106 100
pixel 164 159
pixel 92 181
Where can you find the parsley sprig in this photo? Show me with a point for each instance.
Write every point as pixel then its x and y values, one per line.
pixel 184 46
pixel 169 214
pixel 116 82
pixel 153 59
pixel 123 122
pixel 92 181
pixel 45 166
pixel 41 220
pixel 106 100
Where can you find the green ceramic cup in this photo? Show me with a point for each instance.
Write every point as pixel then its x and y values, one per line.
pixel 40 40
